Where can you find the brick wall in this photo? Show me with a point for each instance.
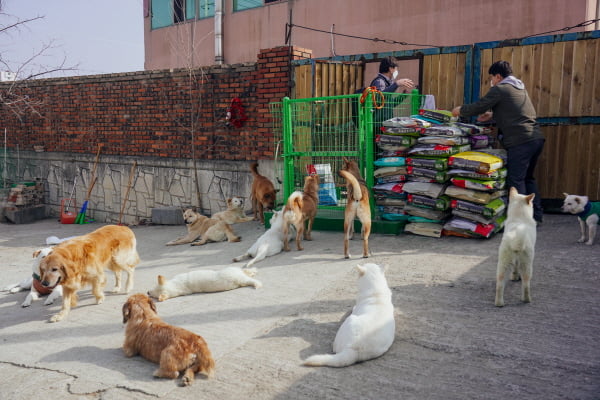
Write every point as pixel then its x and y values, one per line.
pixel 151 113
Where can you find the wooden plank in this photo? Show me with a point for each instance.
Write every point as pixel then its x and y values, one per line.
pixel 459 90
pixel 318 80
pixel 427 77
pixel 331 89
pixel 303 82
pixel 536 78
pixel 444 77
pixel 486 61
pixel 596 83
pixel 435 69
pixel 567 78
pixel 545 80
pixel 590 67
pixel 578 79
pixel 556 74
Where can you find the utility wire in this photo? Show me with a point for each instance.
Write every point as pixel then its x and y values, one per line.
pixel 565 29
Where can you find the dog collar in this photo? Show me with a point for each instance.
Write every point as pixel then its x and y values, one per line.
pixel 586 211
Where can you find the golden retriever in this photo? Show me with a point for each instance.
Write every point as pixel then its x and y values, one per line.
pixel 263 194
pixel 234 213
pixel 173 348
pixel 82 260
pixel 301 208
pixel 207 229
pixel 356 206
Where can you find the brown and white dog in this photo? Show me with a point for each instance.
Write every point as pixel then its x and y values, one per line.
pixel 263 194
pixel 173 348
pixel 82 260
pixel 588 214
pixel 301 208
pixel 357 206
pixel 234 213
pixel 207 229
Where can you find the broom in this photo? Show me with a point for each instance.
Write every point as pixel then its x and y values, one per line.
pixel 127 192
pixel 80 219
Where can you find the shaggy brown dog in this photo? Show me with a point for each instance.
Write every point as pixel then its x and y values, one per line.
pixel 174 349
pixel 207 229
pixel 263 194
pixel 82 260
pixel 357 205
pixel 301 207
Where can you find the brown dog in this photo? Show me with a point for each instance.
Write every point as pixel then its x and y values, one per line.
pixel 301 207
pixel 357 205
pixel 207 229
pixel 263 194
pixel 174 349
pixel 82 260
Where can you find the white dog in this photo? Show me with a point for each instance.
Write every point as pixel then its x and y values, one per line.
pixel 588 214
pixel 204 282
pixel 369 331
pixel 234 213
pixel 33 282
pixel 517 248
pixel 268 244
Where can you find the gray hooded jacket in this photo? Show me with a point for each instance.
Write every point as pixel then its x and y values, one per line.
pixel 513 112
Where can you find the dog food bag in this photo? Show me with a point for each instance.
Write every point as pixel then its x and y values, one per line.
pixel 424 229
pixel 445 140
pixel 385 171
pixel 441 203
pixel 395 140
pixel 493 175
pixel 391 130
pixel 442 116
pixel 424 188
pixel 390 162
pixel 391 178
pixel 436 163
pixel 404 122
pixel 387 201
pixel 443 130
pixel 489 210
pixel 479 141
pixel 468 129
pixel 472 226
pixel 472 216
pixel 428 213
pixel 327 193
pixel 476 161
pixel 474 196
pixel 470 183
pixel 437 149
pixel 436 176
pixel 392 189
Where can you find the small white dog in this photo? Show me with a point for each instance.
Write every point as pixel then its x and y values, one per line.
pixel 204 282
pixel 33 282
pixel 517 248
pixel 369 331
pixel 587 212
pixel 268 244
pixel 234 213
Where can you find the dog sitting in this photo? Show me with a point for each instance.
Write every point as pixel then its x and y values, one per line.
pixel 204 281
pixel 207 229
pixel 369 331
pixel 517 248
pixel 588 214
pixel 357 205
pixel 301 209
pixel 174 349
pixel 82 260
pixel 268 244
pixel 34 284
pixel 234 213
pixel 263 194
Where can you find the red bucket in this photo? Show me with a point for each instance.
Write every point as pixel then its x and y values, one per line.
pixel 68 217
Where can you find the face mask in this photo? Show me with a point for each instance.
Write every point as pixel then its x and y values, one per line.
pixel 395 75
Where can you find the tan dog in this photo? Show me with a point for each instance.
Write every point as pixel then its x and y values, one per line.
pixel 82 260
pixel 301 208
pixel 357 206
pixel 207 229
pixel 174 349
pixel 234 213
pixel 263 194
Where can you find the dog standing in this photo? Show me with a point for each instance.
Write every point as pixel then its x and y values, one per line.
pixel 263 194
pixel 369 331
pixel 207 229
pixel 301 209
pixel 588 214
pixel 204 281
pixel 517 248
pixel 82 260
pixel 234 213
pixel 357 206
pixel 268 244
pixel 34 284
pixel 174 349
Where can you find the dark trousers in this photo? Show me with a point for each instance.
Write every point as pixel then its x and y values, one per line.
pixel 521 163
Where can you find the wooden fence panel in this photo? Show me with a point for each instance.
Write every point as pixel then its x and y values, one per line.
pixel 444 77
pixel 329 79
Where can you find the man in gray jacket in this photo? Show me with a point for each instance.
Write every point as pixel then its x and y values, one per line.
pixel 518 130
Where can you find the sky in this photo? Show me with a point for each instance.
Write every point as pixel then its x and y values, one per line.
pixel 95 36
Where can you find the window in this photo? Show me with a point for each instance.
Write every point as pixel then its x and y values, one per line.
pixel 239 5
pixel 169 12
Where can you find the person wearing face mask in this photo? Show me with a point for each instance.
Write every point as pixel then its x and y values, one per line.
pixel 518 131
pixel 387 79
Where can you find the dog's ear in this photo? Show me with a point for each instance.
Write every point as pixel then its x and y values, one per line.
pixel 529 198
pixel 360 269
pixel 161 280
pixel 577 200
pixel 126 311
pixel 152 305
pixel 64 269
pixel 565 194
pixel 36 253
pixel 229 200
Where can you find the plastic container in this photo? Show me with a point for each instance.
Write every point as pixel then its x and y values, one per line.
pixel 68 217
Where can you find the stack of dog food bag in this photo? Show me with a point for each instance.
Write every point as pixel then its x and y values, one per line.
pixel 413 168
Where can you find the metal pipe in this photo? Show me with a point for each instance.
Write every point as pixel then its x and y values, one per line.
pixel 219 32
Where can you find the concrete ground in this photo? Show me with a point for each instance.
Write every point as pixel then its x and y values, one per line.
pixel 451 342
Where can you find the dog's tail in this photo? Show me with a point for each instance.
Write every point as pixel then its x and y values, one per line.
pixel 342 359
pixel 250 271
pixel 293 206
pixel 254 168
pixel 204 362
pixel 356 192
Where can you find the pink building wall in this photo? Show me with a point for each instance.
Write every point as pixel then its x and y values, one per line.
pixel 424 23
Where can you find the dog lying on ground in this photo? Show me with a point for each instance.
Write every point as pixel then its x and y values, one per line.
pixel 33 283
pixel 357 206
pixel 203 282
pixel 300 210
pixel 268 244
pixel 588 214
pixel 517 248
pixel 263 194
pixel 82 260
pixel 207 229
pixel 234 212
pixel 369 331
pixel 174 349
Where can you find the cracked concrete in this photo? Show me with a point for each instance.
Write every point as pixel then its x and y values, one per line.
pixel 451 342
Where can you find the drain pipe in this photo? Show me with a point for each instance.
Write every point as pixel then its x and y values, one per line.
pixel 218 32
